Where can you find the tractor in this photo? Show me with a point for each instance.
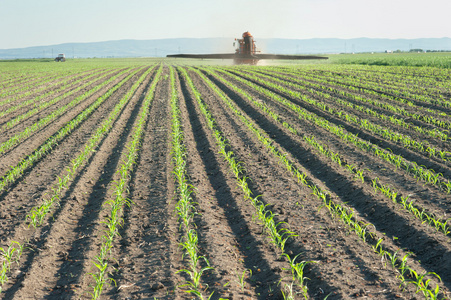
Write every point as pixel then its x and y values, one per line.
pixel 60 57
pixel 246 52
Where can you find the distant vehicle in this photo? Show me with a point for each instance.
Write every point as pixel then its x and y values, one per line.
pixel 60 57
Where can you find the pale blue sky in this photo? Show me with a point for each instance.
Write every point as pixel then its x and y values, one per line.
pixel 25 23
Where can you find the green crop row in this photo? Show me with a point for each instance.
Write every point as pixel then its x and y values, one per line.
pixel 121 188
pixel 38 213
pixel 45 84
pixel 185 206
pixel 26 86
pixel 27 132
pixel 44 105
pixel 9 80
pixel 278 232
pixel 9 255
pixel 419 91
pixel 406 274
pixel 406 141
pixel 419 172
pixel 438 223
pixel 51 142
pixel 319 85
pixel 64 85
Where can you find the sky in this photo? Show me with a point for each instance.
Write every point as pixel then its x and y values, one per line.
pixel 26 23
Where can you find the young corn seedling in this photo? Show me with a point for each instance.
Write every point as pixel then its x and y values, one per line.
pixel 297 272
pixel 287 292
pixel 403 268
pixel 195 276
pixel 11 254
pixel 378 248
pixel 422 284
pixel 360 176
pixel 241 279
pixel 283 235
pixel 8 256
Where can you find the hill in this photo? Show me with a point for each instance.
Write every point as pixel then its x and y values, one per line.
pixel 162 47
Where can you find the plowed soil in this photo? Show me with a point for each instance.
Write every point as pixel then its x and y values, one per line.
pixel 146 255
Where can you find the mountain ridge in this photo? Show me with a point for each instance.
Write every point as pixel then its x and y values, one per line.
pixel 163 47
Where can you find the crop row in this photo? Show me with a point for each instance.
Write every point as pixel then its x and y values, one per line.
pixel 120 188
pixel 185 206
pixel 405 140
pixel 37 214
pixel 277 232
pixel 28 131
pixel 406 274
pixel 28 86
pixel 419 172
pixel 409 90
pixel 48 145
pixel 43 82
pixel 65 85
pixel 261 134
pixel 440 223
pixel 44 105
pixel 357 96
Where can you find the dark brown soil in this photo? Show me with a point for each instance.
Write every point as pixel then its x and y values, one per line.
pixel 147 256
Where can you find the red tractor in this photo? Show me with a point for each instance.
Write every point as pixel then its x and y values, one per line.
pixel 246 45
pixel 246 52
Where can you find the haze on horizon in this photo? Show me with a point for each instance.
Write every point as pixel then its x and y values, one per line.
pixel 27 23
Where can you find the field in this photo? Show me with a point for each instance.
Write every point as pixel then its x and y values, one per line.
pixel 156 179
pixel 432 59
